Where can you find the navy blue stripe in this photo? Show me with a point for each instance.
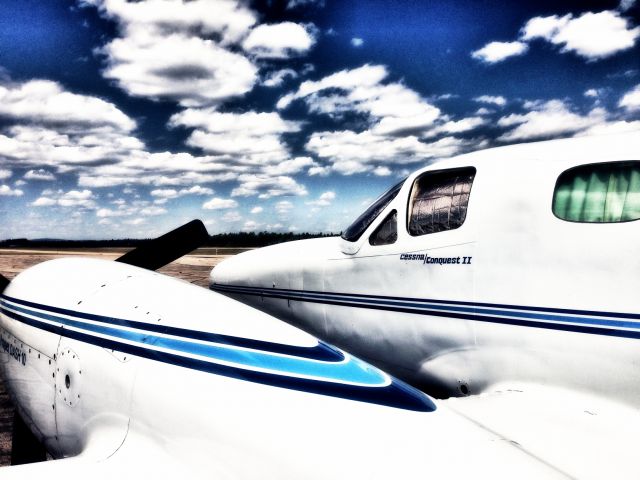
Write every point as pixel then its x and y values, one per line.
pixel 476 310
pixel 322 351
pixel 398 394
pixel 375 303
pixel 349 371
pixel 266 292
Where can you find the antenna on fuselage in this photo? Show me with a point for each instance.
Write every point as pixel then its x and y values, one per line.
pixel 160 251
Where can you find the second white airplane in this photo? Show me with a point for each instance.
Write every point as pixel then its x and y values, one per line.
pixel 510 272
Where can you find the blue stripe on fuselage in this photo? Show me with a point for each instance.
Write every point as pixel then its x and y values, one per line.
pixel 581 321
pixel 319 352
pixel 346 370
pixel 394 394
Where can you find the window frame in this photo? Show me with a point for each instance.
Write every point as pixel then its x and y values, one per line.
pixel 375 230
pixel 398 188
pixel 411 196
pixel 585 165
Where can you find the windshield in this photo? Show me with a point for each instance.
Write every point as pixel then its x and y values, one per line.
pixel 357 228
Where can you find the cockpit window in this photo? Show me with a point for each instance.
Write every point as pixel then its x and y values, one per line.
pixel 599 193
pixel 439 200
pixel 387 231
pixel 357 228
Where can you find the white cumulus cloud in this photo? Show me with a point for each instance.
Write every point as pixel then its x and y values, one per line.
pixel 72 198
pixel 324 200
pixel 54 131
pixel 45 102
pixel 556 118
pixel 283 207
pixel 498 100
pixel 382 171
pixel 179 49
pixel 152 211
pixel 631 99
pixel 219 204
pixel 191 70
pixel 40 174
pixel 318 170
pixel 251 226
pixel 401 126
pixel 277 78
pixel 232 217
pixel 289 167
pixel 250 142
pixel 495 52
pixel 164 194
pixel 7 191
pixel 278 41
pixel 351 152
pixel 590 35
pixel 251 138
pixel 265 186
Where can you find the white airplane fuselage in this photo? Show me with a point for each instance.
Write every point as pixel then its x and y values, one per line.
pixel 515 294
pixel 142 373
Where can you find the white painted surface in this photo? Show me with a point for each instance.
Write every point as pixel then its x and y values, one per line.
pixel 522 256
pixel 140 416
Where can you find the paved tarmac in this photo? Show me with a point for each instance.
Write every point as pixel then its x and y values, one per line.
pixel 193 268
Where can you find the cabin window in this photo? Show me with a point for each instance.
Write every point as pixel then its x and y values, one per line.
pixel 439 200
pixel 358 227
pixel 387 231
pixel 599 193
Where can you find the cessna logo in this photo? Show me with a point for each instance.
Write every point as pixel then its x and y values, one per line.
pixel 427 260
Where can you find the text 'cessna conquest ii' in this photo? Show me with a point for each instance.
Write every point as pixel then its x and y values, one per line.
pixel 509 276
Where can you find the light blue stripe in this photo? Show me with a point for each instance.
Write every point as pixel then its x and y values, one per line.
pixel 352 370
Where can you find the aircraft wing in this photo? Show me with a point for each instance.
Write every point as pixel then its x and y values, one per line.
pixel 579 435
pixel 560 434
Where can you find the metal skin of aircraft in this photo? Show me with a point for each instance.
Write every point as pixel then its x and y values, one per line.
pixel 507 276
pixel 120 371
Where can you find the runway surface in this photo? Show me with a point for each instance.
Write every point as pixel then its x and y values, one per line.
pixel 193 268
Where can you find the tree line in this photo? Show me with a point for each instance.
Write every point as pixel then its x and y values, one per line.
pixel 237 240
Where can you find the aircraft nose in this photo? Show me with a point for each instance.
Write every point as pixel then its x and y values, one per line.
pixel 277 266
pixel 256 268
pixel 231 271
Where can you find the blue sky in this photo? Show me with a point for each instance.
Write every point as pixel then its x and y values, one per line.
pixel 126 119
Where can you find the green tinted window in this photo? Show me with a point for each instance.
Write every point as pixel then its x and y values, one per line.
pixel 599 193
